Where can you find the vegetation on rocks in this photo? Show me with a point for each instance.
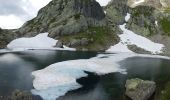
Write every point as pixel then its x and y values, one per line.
pixel 165 24
pixel 165 94
pixel 99 38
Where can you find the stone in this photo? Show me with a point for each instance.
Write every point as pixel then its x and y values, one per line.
pixel 59 44
pixel 75 42
pixel 138 89
pixel 84 41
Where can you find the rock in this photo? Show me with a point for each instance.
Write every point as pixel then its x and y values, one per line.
pixel 138 89
pixel 75 43
pixel 59 44
pixel 66 17
pixel 84 41
pixel 21 95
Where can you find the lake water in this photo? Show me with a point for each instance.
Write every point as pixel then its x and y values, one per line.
pixel 16 68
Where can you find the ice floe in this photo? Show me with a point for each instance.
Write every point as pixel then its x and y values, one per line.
pixel 59 78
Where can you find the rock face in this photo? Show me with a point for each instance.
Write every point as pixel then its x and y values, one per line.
pixel 138 89
pixel 65 17
pixel 116 11
pixel 158 4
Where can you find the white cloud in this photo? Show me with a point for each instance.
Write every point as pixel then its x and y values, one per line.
pixel 10 22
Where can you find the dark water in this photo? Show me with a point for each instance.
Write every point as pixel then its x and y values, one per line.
pixel 15 69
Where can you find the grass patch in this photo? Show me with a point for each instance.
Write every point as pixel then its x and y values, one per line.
pixel 167 10
pixel 165 94
pixel 165 23
pixel 101 37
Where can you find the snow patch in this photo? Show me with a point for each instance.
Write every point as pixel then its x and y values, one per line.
pixel 156 23
pixel 41 41
pixel 127 17
pixel 130 38
pixel 57 79
pixel 137 3
pixel 120 47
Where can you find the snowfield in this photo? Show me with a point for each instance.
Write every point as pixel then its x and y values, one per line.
pixel 41 41
pixel 130 38
pixel 59 78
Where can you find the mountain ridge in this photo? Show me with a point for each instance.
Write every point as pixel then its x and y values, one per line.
pixel 85 25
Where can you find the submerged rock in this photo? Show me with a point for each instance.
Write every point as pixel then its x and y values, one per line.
pixel 138 89
pixel 20 95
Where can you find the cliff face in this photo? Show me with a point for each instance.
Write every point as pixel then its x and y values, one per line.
pixel 65 17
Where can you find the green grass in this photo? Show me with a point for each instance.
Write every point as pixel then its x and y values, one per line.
pixel 167 10
pixel 165 94
pixel 100 36
pixel 165 23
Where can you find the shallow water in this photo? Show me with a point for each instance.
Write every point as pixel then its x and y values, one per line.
pixel 16 68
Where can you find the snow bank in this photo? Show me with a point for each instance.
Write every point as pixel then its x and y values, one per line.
pixel 120 47
pixel 57 79
pixel 130 38
pixel 41 41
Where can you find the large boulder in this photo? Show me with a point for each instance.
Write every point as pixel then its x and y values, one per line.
pixel 138 89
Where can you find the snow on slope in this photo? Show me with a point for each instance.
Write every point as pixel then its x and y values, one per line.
pixel 130 38
pixel 41 41
pixel 59 78
pixel 134 3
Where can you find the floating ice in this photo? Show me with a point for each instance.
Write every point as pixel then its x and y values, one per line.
pixel 57 79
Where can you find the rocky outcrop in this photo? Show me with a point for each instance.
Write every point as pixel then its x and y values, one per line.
pixel 20 95
pixel 6 36
pixel 116 11
pixel 138 89
pixel 65 17
pixel 158 4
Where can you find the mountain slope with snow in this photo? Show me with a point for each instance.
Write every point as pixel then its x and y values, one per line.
pixel 130 38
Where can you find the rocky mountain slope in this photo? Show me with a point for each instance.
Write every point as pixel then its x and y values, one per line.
pixel 85 25
pixel 76 23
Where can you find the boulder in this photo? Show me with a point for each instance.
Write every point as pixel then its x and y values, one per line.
pixel 75 43
pixel 138 89
pixel 84 41
pixel 59 44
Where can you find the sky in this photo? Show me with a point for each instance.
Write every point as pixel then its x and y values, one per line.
pixel 14 13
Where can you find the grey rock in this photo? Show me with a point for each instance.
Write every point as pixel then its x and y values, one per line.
pixel 84 41
pixel 75 42
pixel 138 89
pixel 66 17
pixel 59 44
